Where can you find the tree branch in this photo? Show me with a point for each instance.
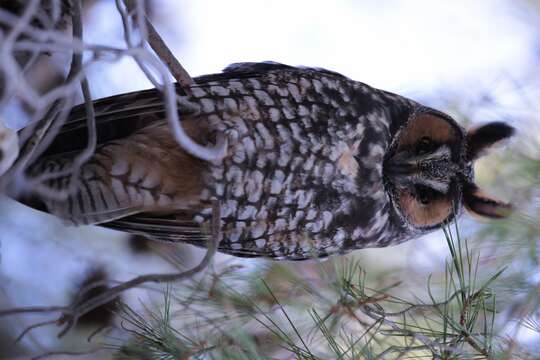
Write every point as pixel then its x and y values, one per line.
pixel 170 97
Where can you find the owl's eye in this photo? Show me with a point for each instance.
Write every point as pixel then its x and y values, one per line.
pixel 424 145
pixel 424 194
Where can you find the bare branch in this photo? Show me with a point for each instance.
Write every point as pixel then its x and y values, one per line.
pixel 149 32
pixel 32 309
pixel 205 153
pixel 69 353
pixel 70 319
pixel 34 326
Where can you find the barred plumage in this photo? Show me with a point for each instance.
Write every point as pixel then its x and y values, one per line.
pixel 304 175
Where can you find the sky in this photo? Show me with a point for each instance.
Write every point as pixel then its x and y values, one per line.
pixel 397 45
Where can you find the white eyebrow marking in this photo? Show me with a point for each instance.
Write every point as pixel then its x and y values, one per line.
pixel 441 153
pixel 440 186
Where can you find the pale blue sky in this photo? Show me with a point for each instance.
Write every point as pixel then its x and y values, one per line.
pixel 397 45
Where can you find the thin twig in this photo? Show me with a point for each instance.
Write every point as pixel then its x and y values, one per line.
pixel 98 331
pixel 217 152
pixel 69 353
pixel 109 295
pixel 32 309
pixel 34 326
pixel 163 52
pixel 149 32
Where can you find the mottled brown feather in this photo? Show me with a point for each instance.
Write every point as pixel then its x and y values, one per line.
pixel 142 172
pixel 155 150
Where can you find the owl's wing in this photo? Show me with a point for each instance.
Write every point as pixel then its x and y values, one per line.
pixel 178 226
pixel 175 226
pixel 119 116
pixel 116 117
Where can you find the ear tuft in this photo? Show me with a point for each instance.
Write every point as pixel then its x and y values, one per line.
pixel 478 203
pixel 481 138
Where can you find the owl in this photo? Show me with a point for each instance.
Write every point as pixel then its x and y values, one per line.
pixel 316 164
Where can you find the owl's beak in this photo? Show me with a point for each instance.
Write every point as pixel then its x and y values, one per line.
pixel 401 164
pixel 434 170
pixel 401 170
pixel 395 168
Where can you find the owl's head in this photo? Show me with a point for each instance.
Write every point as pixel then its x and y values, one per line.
pixel 428 169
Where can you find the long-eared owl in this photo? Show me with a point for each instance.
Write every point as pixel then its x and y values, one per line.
pixel 316 164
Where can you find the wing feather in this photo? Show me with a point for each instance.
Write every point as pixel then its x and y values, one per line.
pixel 173 228
pixel 119 116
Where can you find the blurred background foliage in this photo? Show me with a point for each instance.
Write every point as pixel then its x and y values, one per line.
pixel 372 304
